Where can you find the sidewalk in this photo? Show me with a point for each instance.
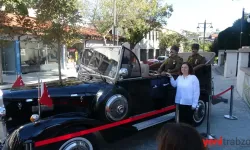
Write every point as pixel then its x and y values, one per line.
pixel 220 127
pixel 32 78
pixel 228 129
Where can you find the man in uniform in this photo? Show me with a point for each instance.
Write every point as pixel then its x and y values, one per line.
pixel 173 63
pixel 196 60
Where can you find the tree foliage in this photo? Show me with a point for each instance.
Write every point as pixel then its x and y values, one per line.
pixel 229 39
pixel 101 17
pixel 135 18
pixel 14 22
pixel 148 15
pixel 167 40
pixel 61 18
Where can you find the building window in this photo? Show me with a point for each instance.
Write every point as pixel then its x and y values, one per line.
pixel 157 38
pixel 149 35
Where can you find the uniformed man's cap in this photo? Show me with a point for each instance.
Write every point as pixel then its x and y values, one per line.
pixel 196 46
pixel 175 47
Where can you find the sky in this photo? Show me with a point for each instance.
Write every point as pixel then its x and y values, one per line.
pixel 221 13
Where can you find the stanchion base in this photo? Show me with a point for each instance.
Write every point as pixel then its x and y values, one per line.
pixel 207 136
pixel 230 117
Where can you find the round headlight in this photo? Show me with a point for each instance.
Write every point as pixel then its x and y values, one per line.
pixel 34 118
pixel 1 92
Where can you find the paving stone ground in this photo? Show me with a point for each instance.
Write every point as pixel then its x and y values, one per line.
pixel 220 127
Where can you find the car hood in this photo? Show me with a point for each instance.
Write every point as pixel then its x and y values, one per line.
pixel 55 91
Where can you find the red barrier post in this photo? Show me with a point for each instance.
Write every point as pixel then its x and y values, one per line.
pixel 230 116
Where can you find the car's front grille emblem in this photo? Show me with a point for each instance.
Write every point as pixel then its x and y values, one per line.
pixel 19 105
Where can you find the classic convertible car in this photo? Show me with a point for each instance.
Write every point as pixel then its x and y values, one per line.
pixel 112 86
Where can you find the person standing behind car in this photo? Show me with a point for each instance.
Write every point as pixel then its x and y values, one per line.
pixel 196 60
pixel 173 63
pixel 187 93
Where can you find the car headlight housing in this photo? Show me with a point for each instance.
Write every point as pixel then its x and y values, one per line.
pixel 1 97
pixel 2 108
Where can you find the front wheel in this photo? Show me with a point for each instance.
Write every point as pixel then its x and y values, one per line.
pixel 86 142
pixel 199 113
pixel 80 143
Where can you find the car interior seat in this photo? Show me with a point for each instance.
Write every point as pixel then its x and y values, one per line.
pixel 144 70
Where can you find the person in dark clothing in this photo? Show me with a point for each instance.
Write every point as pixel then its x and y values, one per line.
pixel 196 60
pixel 173 63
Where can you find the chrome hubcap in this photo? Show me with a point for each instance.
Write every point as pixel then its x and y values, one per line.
pixel 77 144
pixel 116 108
pixel 120 109
pixel 199 113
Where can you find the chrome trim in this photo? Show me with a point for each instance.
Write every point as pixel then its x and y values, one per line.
pixel 34 117
pixel 3 128
pixel 123 72
pixel 29 100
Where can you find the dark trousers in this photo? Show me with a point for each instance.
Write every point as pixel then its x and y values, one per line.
pixel 186 114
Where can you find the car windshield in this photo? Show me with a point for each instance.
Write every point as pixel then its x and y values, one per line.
pixel 102 61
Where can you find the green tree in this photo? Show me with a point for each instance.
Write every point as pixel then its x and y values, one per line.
pixel 229 38
pixel 62 20
pixel 14 22
pixel 207 47
pixel 101 17
pixel 135 18
pixel 191 37
pixel 166 40
pixel 146 16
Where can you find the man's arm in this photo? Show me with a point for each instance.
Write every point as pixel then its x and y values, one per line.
pixel 198 66
pixel 202 63
pixel 189 59
pixel 177 66
pixel 203 60
pixel 162 66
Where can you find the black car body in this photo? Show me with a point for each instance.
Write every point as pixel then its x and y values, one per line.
pixel 112 85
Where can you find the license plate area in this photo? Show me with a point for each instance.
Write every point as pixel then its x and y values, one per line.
pixel 43 108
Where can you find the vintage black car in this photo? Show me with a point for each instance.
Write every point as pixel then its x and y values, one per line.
pixel 112 85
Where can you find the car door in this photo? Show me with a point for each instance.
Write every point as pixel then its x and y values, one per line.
pixel 167 91
pixel 138 88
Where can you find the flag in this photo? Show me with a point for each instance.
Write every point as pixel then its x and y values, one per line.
pixel 19 82
pixel 45 99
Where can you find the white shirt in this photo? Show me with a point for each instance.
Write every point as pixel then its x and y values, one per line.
pixel 188 90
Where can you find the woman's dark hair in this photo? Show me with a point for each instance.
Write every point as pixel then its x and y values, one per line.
pixel 190 68
pixel 179 136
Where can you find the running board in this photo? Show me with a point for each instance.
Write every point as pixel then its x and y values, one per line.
pixel 154 121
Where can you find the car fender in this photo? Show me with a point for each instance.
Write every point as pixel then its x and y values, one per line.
pixel 50 127
pixel 103 95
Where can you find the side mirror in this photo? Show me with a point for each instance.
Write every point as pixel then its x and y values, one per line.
pixel 123 72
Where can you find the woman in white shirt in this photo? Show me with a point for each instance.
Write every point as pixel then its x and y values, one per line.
pixel 187 93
